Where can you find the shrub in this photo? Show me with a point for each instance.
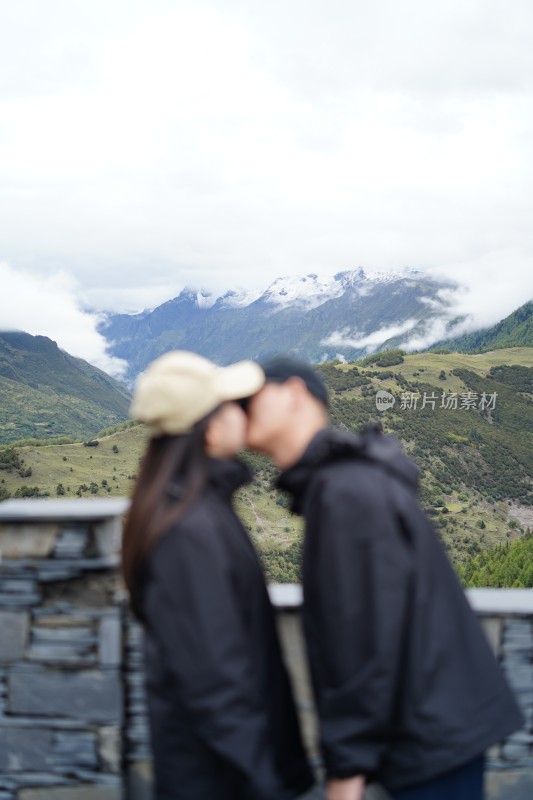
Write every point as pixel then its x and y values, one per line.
pixel 30 491
pixel 385 358
pixel 10 459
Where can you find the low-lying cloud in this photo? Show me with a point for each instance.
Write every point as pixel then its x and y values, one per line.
pixel 370 341
pixel 47 305
pixel 487 290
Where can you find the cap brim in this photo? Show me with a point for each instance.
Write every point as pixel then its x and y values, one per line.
pixel 239 380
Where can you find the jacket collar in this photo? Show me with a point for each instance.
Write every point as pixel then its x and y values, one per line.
pixel 228 474
pixel 331 445
pixel 224 476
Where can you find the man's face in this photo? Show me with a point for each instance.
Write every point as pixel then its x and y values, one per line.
pixel 269 413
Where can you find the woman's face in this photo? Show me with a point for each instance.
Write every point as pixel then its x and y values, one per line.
pixel 226 433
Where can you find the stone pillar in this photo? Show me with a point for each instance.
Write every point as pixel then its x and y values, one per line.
pixel 510 763
pixel 61 652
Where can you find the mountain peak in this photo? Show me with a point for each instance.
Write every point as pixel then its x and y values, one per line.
pixel 236 298
pixel 351 278
pixel 306 291
pixel 314 316
pixel 201 298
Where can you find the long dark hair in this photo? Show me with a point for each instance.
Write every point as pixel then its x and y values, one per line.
pixel 172 475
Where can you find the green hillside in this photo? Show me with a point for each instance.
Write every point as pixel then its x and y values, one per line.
pixel 476 464
pixel 44 392
pixel 516 330
pixel 501 566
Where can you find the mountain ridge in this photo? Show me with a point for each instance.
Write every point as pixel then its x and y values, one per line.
pixel 315 318
pixel 46 392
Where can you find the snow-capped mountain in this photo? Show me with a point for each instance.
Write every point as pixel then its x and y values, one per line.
pixel 310 291
pixel 237 298
pixel 306 292
pixel 346 316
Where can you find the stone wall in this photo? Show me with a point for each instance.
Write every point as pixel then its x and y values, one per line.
pixel 72 703
pixel 62 622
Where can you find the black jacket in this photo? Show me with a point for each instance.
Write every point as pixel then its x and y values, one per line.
pixel 222 719
pixel 406 685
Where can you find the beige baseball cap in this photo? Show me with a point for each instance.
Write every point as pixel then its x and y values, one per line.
pixel 179 388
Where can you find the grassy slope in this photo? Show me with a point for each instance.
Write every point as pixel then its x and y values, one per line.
pixel 26 412
pixel 278 533
pixel 45 392
pixel 74 464
pixel 429 436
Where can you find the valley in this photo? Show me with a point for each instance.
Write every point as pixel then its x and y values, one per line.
pixel 475 464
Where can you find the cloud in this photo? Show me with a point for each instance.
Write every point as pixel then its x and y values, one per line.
pixel 370 341
pixel 148 146
pixel 46 305
pixel 488 290
pixel 490 287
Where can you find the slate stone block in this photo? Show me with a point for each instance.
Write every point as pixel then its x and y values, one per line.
pixel 108 537
pixel 88 792
pixel 85 694
pixel 109 747
pixel 24 749
pixel 136 678
pixel 66 644
pixel 140 777
pixel 15 600
pixel 515 750
pixel 62 654
pixel 45 619
pixel 492 627
pixel 14 627
pixel 110 641
pixel 509 784
pixel 39 779
pixel 58 573
pixel 17 585
pixel 30 540
pixel 71 542
pixel 138 731
pixel 75 748
pixel 520 676
pixel 72 635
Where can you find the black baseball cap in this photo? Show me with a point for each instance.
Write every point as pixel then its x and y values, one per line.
pixel 280 368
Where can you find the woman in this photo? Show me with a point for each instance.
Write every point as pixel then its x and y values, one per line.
pixel 222 719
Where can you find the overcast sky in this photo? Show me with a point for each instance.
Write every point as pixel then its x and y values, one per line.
pixel 150 144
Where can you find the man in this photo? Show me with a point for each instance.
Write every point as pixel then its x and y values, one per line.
pixel 407 689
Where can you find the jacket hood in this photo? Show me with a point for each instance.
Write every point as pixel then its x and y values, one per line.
pixel 331 445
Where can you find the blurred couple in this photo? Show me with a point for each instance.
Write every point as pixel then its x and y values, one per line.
pixel 407 690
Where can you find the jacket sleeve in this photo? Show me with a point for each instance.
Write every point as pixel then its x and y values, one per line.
pixel 193 608
pixel 356 589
